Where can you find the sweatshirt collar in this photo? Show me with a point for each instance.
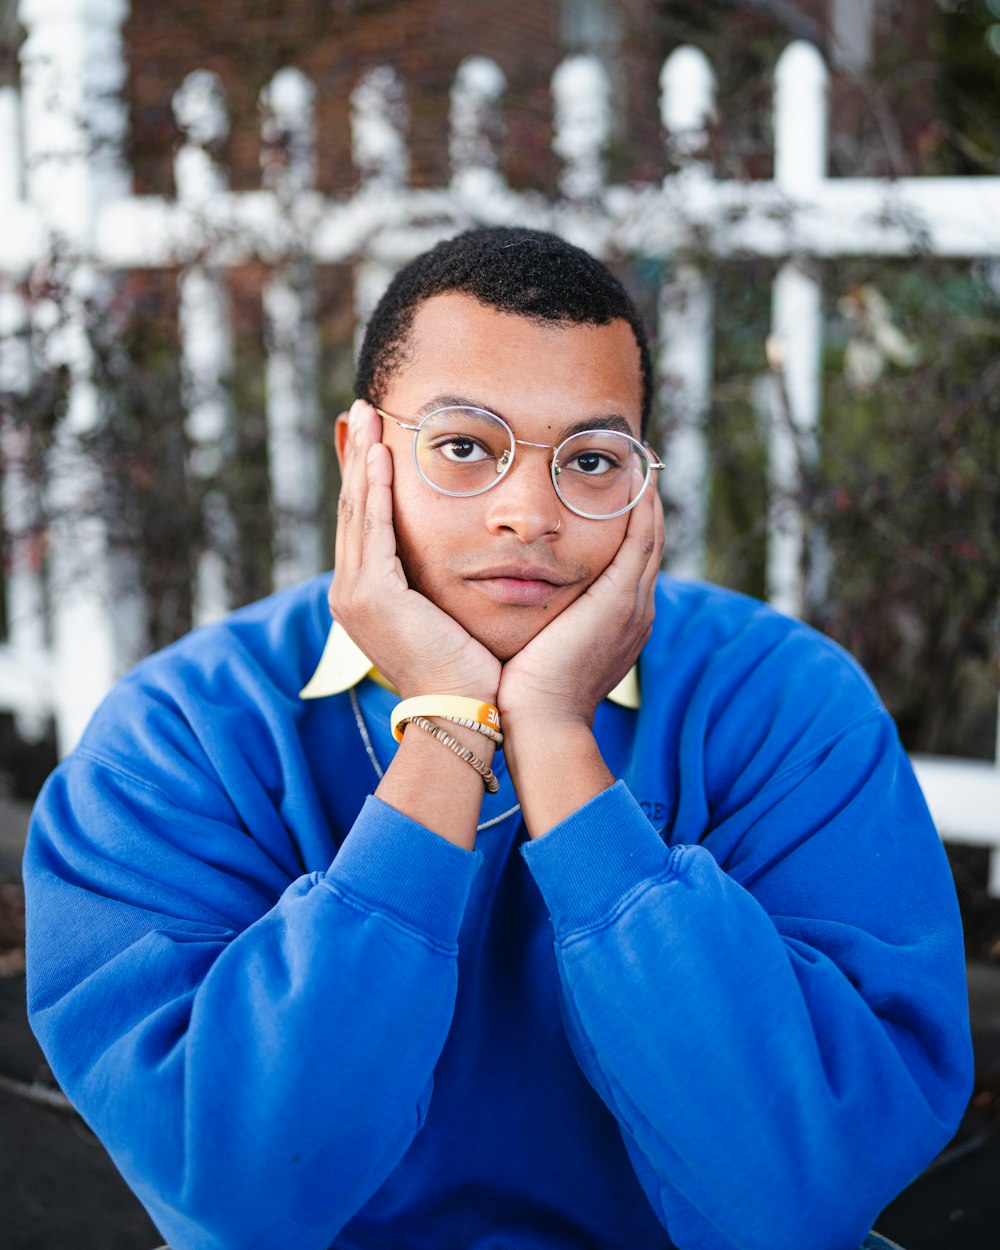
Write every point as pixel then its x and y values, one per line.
pixel 343 665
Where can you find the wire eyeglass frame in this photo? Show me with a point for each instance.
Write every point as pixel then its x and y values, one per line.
pixel 652 461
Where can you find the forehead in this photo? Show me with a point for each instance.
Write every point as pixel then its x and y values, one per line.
pixel 536 374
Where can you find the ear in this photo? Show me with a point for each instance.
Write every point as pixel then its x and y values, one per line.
pixel 340 436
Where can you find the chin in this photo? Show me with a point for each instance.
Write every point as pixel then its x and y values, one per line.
pixel 505 641
pixel 504 651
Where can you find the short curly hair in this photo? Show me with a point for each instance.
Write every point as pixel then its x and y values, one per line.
pixel 526 272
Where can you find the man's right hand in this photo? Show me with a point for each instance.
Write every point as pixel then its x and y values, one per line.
pixel 418 647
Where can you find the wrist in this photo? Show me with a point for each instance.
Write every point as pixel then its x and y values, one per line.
pixel 555 769
pixel 428 782
pixel 478 690
pixel 538 744
pixel 544 720
pixel 471 683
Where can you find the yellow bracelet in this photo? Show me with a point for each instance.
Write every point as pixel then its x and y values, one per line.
pixel 482 768
pixel 471 712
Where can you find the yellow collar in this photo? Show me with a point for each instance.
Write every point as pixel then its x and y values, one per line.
pixel 343 664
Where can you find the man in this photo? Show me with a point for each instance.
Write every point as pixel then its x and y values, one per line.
pixel 691 976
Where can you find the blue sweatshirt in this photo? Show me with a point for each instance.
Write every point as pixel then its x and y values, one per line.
pixel 721 1006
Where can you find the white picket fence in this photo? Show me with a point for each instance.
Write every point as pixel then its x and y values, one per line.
pixel 64 190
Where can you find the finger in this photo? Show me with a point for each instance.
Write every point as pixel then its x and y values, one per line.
pixel 640 555
pixel 379 533
pixel 645 562
pixel 621 593
pixel 347 504
pixel 349 547
pixel 344 556
pixel 652 569
pixel 638 547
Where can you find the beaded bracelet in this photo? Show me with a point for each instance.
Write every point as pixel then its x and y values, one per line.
pixel 487 731
pixel 462 751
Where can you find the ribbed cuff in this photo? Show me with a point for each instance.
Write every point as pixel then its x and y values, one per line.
pixel 586 864
pixel 399 867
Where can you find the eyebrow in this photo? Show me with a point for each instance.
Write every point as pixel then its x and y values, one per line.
pixel 610 421
pixel 450 401
pixel 607 421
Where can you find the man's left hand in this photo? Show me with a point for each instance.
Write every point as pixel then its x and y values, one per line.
pixel 550 690
pixel 561 676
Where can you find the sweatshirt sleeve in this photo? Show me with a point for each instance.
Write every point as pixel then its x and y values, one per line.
pixel 774 1008
pixel 255 1049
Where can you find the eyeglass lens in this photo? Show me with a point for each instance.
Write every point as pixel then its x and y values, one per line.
pixel 463 451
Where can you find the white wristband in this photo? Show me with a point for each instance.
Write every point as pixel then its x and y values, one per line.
pixel 470 712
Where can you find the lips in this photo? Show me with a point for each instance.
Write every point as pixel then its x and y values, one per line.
pixel 519 585
pixel 520 572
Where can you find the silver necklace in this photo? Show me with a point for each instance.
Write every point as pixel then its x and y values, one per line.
pixel 359 720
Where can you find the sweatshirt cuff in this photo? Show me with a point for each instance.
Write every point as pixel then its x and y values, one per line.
pixel 588 863
pixel 399 867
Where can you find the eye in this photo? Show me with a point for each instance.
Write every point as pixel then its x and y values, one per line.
pixel 459 449
pixel 592 463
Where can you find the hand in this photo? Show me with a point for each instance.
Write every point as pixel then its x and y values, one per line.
pixel 550 690
pixel 412 641
pixel 561 676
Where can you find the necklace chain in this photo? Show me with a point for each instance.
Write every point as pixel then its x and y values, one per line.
pixel 363 731
pixel 359 720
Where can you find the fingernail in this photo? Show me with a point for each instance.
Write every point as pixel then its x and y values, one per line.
pixel 372 452
pixel 356 415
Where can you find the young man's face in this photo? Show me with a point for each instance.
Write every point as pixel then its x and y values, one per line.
pixel 506 562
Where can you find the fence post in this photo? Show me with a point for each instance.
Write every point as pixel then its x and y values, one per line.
pixel 293 418
pixel 476 128
pixel 205 338
pixel 27 688
pixel 685 314
pixel 581 93
pixel 378 146
pixel 11 167
pixel 852 30
pixel 796 343
pixel 73 72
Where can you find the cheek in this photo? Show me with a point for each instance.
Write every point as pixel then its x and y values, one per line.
pixel 430 528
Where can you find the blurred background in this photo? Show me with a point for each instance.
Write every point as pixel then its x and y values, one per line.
pixel 200 204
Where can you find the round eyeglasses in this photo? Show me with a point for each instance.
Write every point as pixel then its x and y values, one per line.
pixel 463 451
